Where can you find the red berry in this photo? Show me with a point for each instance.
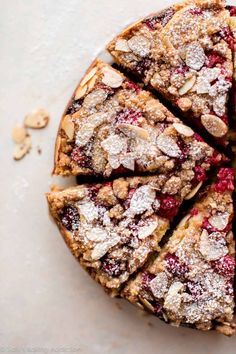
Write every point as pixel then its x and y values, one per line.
pixel 70 218
pixel 112 267
pixel 132 86
pixel 225 266
pixel 200 174
pixel 129 116
pixel 93 191
pixel 193 212
pixel 232 10
pixel 78 155
pixel 225 180
pixel 214 159
pixel 227 35
pixel 180 70
pixel 143 66
pixel 174 266
pixel 197 137
pixel 168 206
pixel 196 11
pixel 214 58
pixel 146 278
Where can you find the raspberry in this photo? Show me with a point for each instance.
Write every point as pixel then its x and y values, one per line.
pixel 146 278
pixel 200 174
pixel 214 159
pixel 78 155
pixel 225 119
pixel 206 225
pixel 129 116
pixel 93 191
pixel 227 35
pixel 174 266
pixel 214 58
pixel 184 150
pixel 163 18
pixel 195 289
pixel 143 66
pixel 180 70
pixel 197 137
pixel 196 11
pixel 193 212
pixel 112 267
pixel 232 10
pixel 70 218
pixel 225 266
pixel 168 207
pixel 225 180
pixel 132 86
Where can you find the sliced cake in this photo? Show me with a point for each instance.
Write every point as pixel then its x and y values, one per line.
pixel 185 54
pixel 191 281
pixel 112 127
pixel 112 227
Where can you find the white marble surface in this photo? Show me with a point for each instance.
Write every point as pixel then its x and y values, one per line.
pixel 47 303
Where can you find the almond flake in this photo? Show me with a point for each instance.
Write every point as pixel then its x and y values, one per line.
pixel 168 146
pixel 80 92
pixel 174 298
pixel 114 144
pixel 95 97
pixel 21 150
pixel 86 130
pixel 147 304
pixel 212 247
pixel 193 191
pixel 101 248
pixel 19 134
pixel 88 77
pixel 122 45
pixel 195 56
pixel 159 285
pixel 187 85
pixel 147 230
pixel 214 125
pixel 128 161
pixel 114 161
pixel 37 119
pixel 183 129
pixel 96 234
pixel 135 130
pixel 112 78
pixel 139 45
pixel 68 126
pixel 142 200
pixel 219 220
pixel 89 211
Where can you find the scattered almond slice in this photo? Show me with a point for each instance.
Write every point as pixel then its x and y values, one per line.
pixel 22 149
pixel 194 191
pixel 148 229
pixel 112 78
pixel 122 46
pixel 187 85
pixel 139 45
pixel 37 119
pixel 183 129
pixel 214 125
pixel 80 92
pixel 88 77
pixel 68 126
pixel 19 134
pixel 219 221
pixel 168 145
pixel 138 131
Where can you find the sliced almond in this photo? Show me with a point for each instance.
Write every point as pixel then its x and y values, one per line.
pixel 37 119
pixel 86 130
pixel 194 191
pixel 68 126
pixel 92 82
pixel 22 149
pixel 168 146
pixel 219 220
pixel 214 125
pixel 184 103
pixel 187 85
pixel 137 131
pixel 88 77
pixel 19 134
pixel 139 45
pixel 112 78
pixel 80 92
pixel 147 230
pixel 183 129
pixel 195 56
pixel 147 304
pixel 184 221
pixel 213 247
pixel 122 46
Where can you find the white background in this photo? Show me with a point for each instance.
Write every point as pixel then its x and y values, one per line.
pixel 46 300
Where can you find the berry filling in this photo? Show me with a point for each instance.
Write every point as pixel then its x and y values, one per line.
pixel 129 116
pixel 174 266
pixel 93 192
pixel 70 218
pixel 132 86
pixel 113 268
pixel 143 66
pixel 74 107
pixel 225 266
pixel 232 10
pixel 227 36
pixel 196 11
pixel 225 180
pixel 146 278
pixel 79 156
pixel 168 206
pixel 213 59
pixel 200 175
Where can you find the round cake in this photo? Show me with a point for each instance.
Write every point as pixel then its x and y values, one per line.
pixel 151 141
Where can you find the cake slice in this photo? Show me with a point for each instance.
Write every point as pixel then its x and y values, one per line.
pixel 112 227
pixel 191 281
pixel 185 54
pixel 112 127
